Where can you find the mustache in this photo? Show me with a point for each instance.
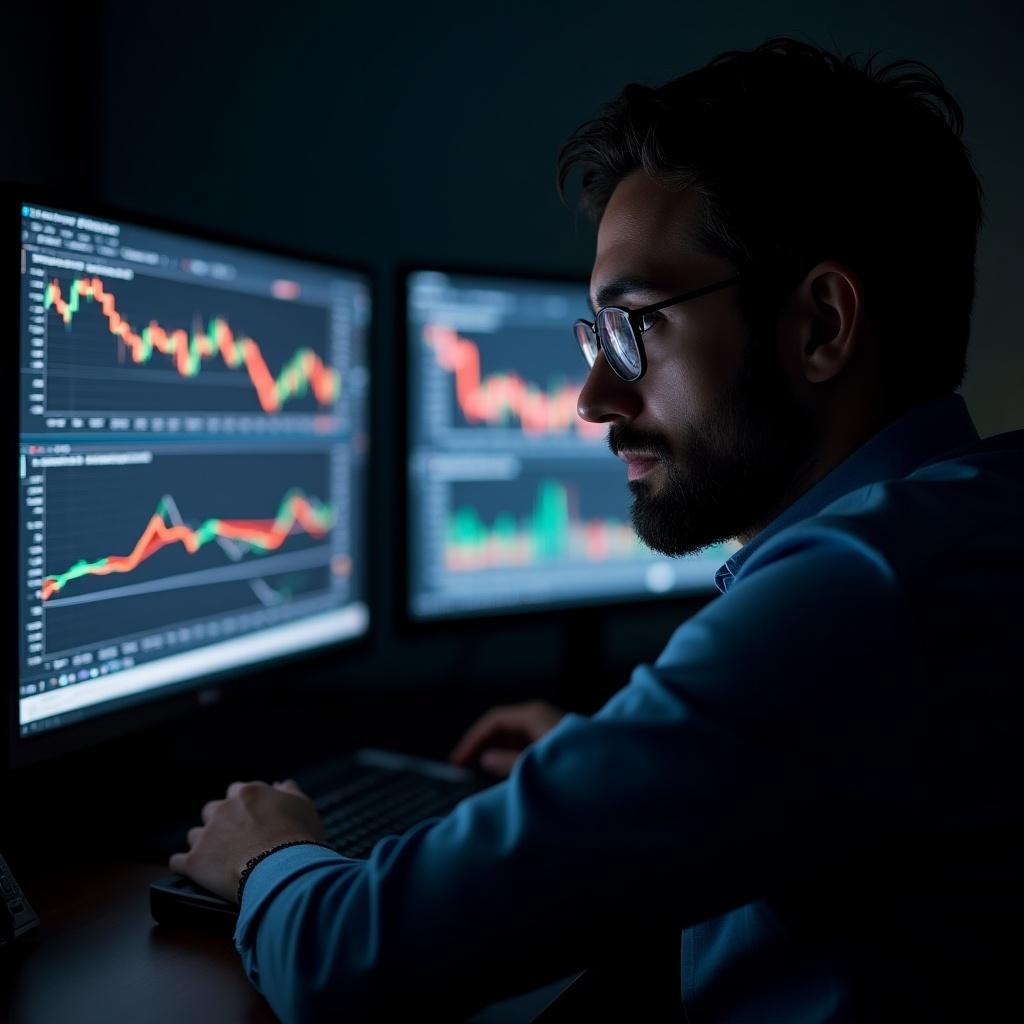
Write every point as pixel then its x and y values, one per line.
pixel 624 438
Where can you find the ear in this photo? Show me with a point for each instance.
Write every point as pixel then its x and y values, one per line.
pixel 829 314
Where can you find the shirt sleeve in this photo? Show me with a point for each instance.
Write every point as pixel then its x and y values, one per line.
pixel 769 739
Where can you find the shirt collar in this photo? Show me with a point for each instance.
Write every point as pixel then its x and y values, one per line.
pixel 895 451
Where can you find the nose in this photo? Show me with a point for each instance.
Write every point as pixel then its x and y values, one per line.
pixel 606 397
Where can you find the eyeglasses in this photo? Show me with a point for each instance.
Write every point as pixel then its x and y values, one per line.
pixel 618 333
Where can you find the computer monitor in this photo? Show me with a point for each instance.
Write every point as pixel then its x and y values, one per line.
pixel 192 438
pixel 514 502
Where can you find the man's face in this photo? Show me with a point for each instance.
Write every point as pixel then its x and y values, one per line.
pixel 713 435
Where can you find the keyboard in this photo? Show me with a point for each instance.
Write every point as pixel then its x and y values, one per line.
pixel 374 793
pixel 362 798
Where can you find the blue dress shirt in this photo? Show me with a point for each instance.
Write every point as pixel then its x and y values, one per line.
pixel 816 784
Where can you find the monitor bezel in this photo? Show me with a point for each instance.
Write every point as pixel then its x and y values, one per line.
pixel 188 697
pixel 413 625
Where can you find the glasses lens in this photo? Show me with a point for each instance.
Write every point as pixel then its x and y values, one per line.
pixel 620 347
pixel 587 340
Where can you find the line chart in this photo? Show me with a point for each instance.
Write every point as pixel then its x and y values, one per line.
pixel 297 511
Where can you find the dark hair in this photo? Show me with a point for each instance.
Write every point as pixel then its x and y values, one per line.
pixel 799 156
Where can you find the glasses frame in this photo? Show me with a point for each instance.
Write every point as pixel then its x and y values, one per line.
pixel 634 318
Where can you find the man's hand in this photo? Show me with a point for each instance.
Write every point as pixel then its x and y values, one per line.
pixel 253 818
pixel 498 737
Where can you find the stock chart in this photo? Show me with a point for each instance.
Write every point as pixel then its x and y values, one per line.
pixel 536 519
pixel 123 348
pixel 530 400
pixel 138 538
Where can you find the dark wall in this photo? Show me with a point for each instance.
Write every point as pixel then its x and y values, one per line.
pixel 395 132
pixel 48 85
pixel 410 130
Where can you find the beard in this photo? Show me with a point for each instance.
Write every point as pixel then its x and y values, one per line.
pixel 734 467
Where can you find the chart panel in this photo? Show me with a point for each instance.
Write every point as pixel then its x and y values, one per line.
pixel 138 546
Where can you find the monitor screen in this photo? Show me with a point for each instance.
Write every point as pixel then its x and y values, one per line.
pixel 515 503
pixel 191 461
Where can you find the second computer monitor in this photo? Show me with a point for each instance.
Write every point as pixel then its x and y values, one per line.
pixel 515 503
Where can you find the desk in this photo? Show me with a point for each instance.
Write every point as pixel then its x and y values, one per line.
pixel 98 957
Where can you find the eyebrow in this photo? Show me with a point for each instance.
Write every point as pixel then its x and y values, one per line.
pixel 615 291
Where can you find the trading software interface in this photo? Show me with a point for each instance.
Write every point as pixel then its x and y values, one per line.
pixel 192 450
pixel 515 502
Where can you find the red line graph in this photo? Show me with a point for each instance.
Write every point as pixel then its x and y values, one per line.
pixel 493 400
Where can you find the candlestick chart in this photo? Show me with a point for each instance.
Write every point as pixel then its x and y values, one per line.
pixel 146 344
pixel 541 403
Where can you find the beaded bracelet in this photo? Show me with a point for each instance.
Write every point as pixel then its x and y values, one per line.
pixel 253 861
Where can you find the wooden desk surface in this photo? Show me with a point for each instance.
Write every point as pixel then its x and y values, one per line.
pixel 98 956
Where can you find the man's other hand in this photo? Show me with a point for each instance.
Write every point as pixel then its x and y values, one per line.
pixel 499 736
pixel 252 818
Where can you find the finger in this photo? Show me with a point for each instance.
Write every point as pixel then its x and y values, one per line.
pixel 236 787
pixel 478 735
pixel 177 863
pixel 499 762
pixel 291 786
pixel 209 810
pixel 193 835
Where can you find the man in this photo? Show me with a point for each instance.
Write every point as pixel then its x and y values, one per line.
pixel 814 785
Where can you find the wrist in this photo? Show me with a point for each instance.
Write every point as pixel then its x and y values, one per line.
pixel 243 872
